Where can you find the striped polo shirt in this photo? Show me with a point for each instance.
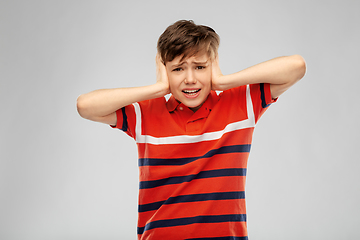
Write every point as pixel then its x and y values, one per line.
pixel 192 166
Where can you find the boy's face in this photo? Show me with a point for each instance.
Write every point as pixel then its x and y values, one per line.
pixel 190 79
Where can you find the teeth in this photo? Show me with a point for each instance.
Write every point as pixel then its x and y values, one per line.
pixel 190 91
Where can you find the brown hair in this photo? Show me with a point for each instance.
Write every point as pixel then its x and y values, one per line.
pixel 186 38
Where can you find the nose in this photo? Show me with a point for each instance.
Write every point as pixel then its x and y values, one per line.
pixel 190 77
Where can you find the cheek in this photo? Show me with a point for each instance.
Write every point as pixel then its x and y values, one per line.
pixel 174 82
pixel 206 79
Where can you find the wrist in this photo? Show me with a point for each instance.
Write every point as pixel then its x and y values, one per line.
pixel 161 89
pixel 219 83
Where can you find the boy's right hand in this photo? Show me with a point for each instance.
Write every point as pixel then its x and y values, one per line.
pixel 161 74
pixel 217 78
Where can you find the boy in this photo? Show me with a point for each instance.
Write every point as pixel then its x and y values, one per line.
pixel 193 148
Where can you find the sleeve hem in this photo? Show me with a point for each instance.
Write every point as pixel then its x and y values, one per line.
pixel 266 99
pixel 119 117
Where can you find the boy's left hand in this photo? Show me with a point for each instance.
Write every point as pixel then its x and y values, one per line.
pixel 216 75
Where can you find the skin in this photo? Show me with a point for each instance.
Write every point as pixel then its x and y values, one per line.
pixel 190 80
pixel 198 73
pixel 280 72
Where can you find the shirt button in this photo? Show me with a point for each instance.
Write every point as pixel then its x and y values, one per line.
pixel 181 108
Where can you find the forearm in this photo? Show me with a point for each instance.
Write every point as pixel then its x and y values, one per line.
pixel 278 71
pixel 101 103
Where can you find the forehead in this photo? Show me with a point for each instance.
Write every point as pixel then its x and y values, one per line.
pixel 199 57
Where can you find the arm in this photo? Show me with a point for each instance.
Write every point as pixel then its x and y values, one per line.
pixel 101 105
pixel 281 73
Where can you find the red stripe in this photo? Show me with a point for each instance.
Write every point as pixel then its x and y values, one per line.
pixel 181 210
pixel 220 184
pixel 231 160
pixel 198 230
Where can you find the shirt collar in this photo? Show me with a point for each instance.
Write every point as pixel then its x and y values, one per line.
pixel 172 104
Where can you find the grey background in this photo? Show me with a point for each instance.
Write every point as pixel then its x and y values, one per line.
pixel 63 177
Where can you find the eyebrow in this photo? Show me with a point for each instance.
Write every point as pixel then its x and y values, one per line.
pixel 201 62
pixel 180 64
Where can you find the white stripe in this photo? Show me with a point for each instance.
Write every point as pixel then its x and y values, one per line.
pixel 247 123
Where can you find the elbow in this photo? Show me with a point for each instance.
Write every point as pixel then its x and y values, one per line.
pixel 82 106
pixel 300 66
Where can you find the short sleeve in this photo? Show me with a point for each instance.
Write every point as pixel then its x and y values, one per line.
pixel 261 98
pixel 126 120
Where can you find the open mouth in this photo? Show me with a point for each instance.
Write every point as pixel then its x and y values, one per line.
pixel 191 92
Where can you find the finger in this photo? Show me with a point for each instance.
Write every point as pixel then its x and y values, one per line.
pixel 157 58
pixel 216 60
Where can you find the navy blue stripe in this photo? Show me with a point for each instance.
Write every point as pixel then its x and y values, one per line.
pixel 192 220
pixel 193 198
pixel 220 238
pixel 262 92
pixel 188 178
pixel 183 161
pixel 125 124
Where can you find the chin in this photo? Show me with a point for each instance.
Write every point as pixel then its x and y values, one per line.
pixel 193 105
